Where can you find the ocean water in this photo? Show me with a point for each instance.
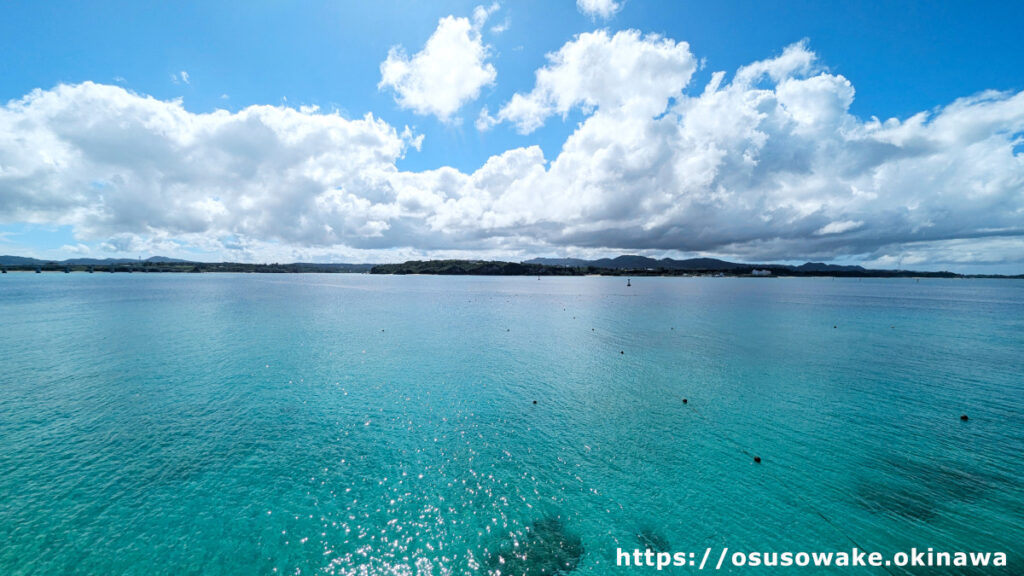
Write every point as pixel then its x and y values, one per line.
pixel 357 424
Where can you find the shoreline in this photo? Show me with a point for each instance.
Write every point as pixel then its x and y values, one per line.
pixel 260 269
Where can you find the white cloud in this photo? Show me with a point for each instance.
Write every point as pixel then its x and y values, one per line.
pixel 448 72
pixel 839 227
pixel 112 163
pixel 482 13
pixel 484 120
pixel 499 28
pixel 77 249
pixel 598 8
pixel 597 71
pixel 796 59
pixel 966 255
pixel 768 164
pixel 180 77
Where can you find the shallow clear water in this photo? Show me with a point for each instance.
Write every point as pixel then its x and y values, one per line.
pixel 355 424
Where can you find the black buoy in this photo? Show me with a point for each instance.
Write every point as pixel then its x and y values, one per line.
pixel 757 459
pixel 534 401
pixel 833 325
pixel 622 351
pixel 964 417
pixel 685 401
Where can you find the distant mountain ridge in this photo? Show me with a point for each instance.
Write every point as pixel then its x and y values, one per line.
pixel 694 264
pixel 641 263
pixel 627 262
pixel 19 261
pixel 165 264
pixel 22 261
pixel 631 265
pixel 822 267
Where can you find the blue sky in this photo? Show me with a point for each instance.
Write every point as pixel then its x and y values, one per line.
pixel 813 177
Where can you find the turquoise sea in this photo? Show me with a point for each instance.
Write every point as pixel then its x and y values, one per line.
pixel 358 424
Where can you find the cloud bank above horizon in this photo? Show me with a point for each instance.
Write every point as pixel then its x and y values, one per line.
pixel 761 163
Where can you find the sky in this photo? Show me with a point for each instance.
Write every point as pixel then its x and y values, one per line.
pixel 884 134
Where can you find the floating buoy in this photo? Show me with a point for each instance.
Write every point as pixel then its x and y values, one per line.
pixel 534 401
pixel 833 325
pixel 622 351
pixel 757 459
pixel 685 401
pixel 963 417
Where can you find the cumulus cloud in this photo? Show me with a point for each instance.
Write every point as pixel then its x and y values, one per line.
pixel 598 8
pixel 768 166
pixel 761 164
pixel 448 72
pixel 596 70
pixel 115 164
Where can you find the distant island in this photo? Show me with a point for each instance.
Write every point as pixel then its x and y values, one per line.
pixel 621 266
pixel 644 266
pixel 163 264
